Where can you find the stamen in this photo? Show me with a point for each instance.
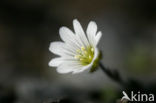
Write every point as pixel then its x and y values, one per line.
pixel 77 56
pixel 85 52
pixel 90 57
pixel 92 49
pixel 82 48
pixel 78 51
pixel 84 55
pixel 81 59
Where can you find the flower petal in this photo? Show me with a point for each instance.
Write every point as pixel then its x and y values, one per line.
pixel 59 48
pixel 66 67
pixel 80 33
pixel 68 36
pixel 98 36
pixel 92 28
pixel 62 69
pixel 81 69
pixel 55 62
pixel 91 31
pixel 96 54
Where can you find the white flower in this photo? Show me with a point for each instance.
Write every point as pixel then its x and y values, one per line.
pixel 79 51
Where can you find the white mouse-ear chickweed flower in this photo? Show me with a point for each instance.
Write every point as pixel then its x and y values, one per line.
pixel 78 51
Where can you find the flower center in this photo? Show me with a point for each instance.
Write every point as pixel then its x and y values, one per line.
pixel 85 55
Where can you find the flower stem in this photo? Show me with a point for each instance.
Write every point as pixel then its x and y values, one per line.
pixel 114 75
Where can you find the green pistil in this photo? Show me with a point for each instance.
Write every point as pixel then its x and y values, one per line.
pixel 85 55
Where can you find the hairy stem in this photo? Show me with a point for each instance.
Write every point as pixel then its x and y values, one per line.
pixel 114 75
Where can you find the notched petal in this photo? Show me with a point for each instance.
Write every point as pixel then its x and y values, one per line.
pixel 80 33
pixel 98 37
pixel 92 28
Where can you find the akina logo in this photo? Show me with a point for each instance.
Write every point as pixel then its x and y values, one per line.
pixel 138 97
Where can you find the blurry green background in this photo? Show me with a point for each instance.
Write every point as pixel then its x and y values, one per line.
pixel 27 27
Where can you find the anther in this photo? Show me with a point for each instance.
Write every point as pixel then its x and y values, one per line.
pixel 78 51
pixel 90 57
pixel 76 56
pixel 82 48
pixel 92 49
pixel 81 59
pixel 85 52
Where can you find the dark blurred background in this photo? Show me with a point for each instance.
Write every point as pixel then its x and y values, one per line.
pixel 27 27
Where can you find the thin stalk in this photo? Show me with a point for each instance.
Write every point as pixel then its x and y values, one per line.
pixel 114 75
